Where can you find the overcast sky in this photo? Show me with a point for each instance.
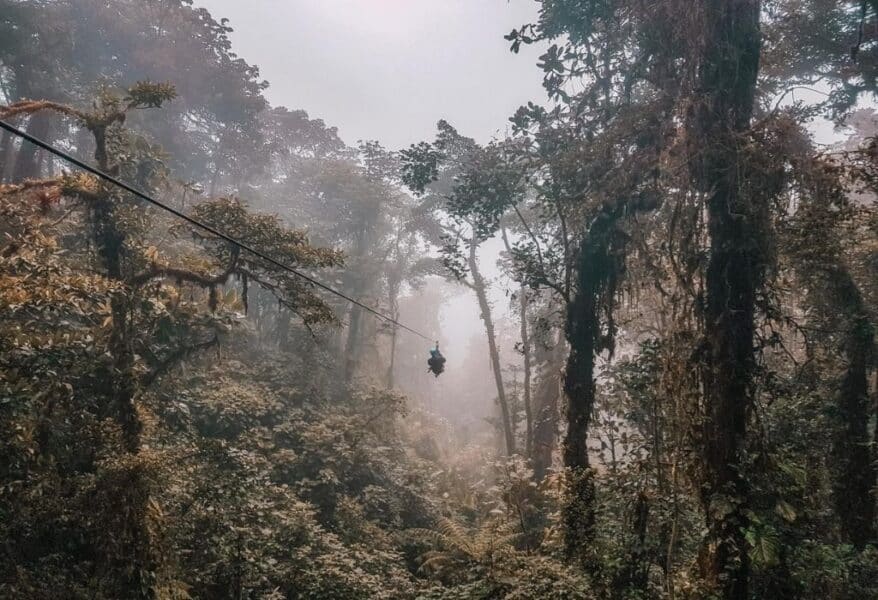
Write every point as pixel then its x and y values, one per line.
pixel 389 69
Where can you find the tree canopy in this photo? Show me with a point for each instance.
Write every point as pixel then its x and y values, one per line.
pixel 671 391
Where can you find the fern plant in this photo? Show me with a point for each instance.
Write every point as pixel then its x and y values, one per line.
pixel 457 551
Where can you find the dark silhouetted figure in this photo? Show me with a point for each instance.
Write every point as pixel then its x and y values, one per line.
pixel 436 362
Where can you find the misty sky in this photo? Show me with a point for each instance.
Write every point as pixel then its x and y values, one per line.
pixel 389 69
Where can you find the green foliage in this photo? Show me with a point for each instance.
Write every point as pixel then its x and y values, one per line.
pixel 292 493
pixel 145 94
pixel 489 562
pixel 272 237
pixel 180 419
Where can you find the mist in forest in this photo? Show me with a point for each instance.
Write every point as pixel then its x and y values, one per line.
pixel 388 71
pixel 430 300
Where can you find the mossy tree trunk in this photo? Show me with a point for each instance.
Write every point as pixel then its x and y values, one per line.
pixel 854 476
pixel 597 270
pixel 141 563
pixel 546 409
pixel 728 65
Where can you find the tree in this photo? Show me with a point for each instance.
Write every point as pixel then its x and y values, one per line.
pixel 815 239
pixel 526 351
pixel 453 170
pixel 728 65
pixel 694 290
pixel 149 330
pixel 61 51
pixel 549 356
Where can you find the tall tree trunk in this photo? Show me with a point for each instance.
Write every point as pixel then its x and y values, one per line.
pixel 854 473
pixel 27 162
pixel 393 284
pixel 141 564
pixel 526 353
pixel 282 323
pixel 595 272
pixel 391 367
pixel 109 240
pixel 354 338
pixel 728 66
pixel 480 289
pixel 546 413
pixel 352 344
pixel 132 499
pixel 7 156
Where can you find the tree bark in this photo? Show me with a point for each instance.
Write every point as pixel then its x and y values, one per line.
pixel 546 412
pixel 27 162
pixel 142 563
pixel 854 475
pixel 596 272
pixel 526 353
pixel 728 66
pixel 7 156
pixel 480 289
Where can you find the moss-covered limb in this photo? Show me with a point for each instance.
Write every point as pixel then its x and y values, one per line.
pixel 30 107
pixel 174 358
pixel 203 280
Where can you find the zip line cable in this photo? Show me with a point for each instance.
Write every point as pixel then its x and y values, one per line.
pixel 200 224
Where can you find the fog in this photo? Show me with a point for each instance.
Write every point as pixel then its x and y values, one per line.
pixel 388 70
pixel 346 299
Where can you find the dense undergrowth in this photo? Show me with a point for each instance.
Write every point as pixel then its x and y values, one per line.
pixel 678 402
